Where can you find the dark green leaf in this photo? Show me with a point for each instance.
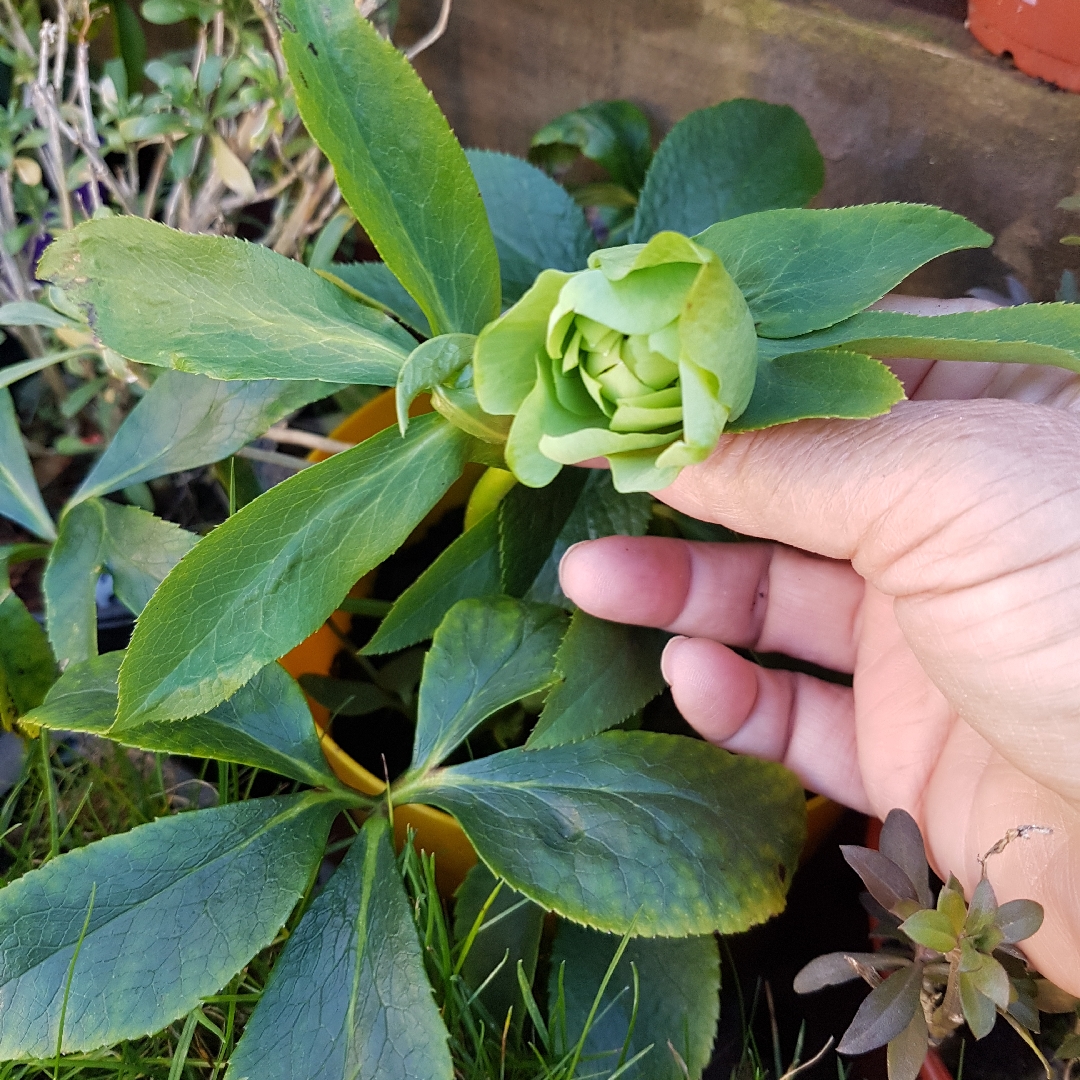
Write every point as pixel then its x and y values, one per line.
pixel 801 270
pixel 832 969
pixel 907 1051
pixel 1070 1048
pixel 885 1013
pixel 901 842
pixel 614 134
pixel 268 577
pixel 734 158
pixel 979 1011
pixel 665 833
pixel 349 997
pixel 172 910
pixel 130 42
pixel 486 655
pixel 220 307
pixel 1018 919
pixel 679 999
pixel 530 520
pixel 1029 334
pixel 265 724
pixel 599 511
pixel 515 936
pixel 821 384
pixel 27 668
pixel 537 226
pixel 888 884
pixel 376 281
pixel 415 196
pixel 428 365
pixel 186 421
pixel 20 499
pixel 345 697
pixel 608 670
pixel 469 567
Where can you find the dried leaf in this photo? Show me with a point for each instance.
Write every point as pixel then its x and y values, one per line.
pixel 233 172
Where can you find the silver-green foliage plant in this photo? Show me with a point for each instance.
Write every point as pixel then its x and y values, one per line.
pixel 753 313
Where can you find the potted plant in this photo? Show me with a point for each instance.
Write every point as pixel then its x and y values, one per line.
pixel 1042 38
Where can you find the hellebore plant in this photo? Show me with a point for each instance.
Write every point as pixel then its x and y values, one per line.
pixel 731 309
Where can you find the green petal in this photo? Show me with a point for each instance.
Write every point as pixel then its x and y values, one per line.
pixel 596 391
pixel 598 442
pixel 664 248
pixel 504 363
pixel 619 382
pixel 639 304
pixel 572 355
pixel 680 454
pixel 704 415
pixel 649 412
pixel 639 471
pixel 665 341
pixel 573 396
pixel 597 336
pixel 652 368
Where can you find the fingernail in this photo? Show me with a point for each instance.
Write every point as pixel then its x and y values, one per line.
pixel 665 656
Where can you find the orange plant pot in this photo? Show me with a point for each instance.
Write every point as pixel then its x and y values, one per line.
pixel 1043 36
pixel 436 832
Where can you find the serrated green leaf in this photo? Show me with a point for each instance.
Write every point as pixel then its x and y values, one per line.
pixel 1028 334
pixel 186 421
pixel 20 499
pixel 530 521
pixel 376 280
pixel 536 224
pixel 430 364
pixel 801 270
pixel 515 936
pixel 219 307
pixel 415 197
pixel 734 158
pixel 666 834
pixel 137 548
pixel 679 1001
pixel 885 1013
pixel 486 655
pixel 349 998
pixel 907 1051
pixel 268 577
pixel 266 724
pixel 27 667
pixel 179 906
pixel 600 511
pixel 468 568
pixel 825 383
pixel 932 929
pixel 609 671
pixel 614 134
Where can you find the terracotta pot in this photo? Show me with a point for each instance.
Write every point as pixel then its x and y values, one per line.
pixel 437 832
pixel 1043 36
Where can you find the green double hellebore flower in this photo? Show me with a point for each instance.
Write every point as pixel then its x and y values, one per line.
pixel 642 359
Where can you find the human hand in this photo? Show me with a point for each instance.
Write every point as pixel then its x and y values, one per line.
pixel 933 553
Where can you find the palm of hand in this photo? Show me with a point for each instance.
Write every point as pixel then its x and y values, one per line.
pixel 952 602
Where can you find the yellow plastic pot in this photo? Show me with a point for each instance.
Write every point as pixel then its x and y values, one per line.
pixel 436 832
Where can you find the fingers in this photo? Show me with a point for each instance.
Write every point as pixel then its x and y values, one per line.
pixel 806 724
pixel 757 596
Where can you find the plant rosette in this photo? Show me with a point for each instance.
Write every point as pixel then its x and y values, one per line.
pixel 642 359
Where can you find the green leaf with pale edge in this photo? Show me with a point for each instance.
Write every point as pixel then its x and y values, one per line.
pixel 824 383
pixel 486 655
pixel 801 270
pixel 515 936
pixel 536 224
pixel 469 567
pixel 179 906
pixel 20 499
pixel 1028 334
pixel 614 134
pixel 349 998
pixel 430 364
pixel 609 670
pixel 266 724
pixel 599 511
pixel 734 158
pixel 530 521
pixel 376 280
pixel 219 307
pixel 664 833
pixel 137 548
pixel 186 421
pixel 267 578
pixel 415 197
pixel 679 1002
pixel 27 667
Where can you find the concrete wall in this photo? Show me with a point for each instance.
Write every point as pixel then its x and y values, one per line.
pixel 904 104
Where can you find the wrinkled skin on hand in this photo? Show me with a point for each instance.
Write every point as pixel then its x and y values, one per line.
pixel 934 553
